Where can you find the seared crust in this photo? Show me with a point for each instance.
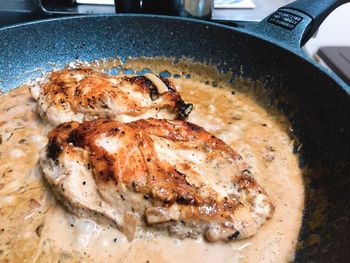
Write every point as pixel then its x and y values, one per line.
pixel 85 94
pixel 186 175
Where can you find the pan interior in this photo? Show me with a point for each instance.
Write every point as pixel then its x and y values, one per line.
pixel 239 113
pixel 316 106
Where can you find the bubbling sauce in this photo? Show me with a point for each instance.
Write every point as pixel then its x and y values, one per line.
pixel 36 228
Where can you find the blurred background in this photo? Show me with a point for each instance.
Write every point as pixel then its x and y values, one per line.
pixel 330 45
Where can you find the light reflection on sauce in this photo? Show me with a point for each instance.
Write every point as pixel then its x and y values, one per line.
pixel 35 228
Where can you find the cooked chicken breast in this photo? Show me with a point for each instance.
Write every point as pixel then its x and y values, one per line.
pixel 85 94
pixel 170 175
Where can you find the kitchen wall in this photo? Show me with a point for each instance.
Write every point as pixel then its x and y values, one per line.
pixel 335 31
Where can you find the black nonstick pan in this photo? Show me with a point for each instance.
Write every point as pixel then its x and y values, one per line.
pixel 316 102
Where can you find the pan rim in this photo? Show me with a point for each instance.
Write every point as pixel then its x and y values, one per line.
pixel 298 52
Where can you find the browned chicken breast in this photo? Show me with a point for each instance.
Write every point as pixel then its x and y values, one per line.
pixel 85 94
pixel 170 176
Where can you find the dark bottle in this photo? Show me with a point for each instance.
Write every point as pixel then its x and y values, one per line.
pixel 127 6
pixel 160 7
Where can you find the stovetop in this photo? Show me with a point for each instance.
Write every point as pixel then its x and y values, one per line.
pixel 19 11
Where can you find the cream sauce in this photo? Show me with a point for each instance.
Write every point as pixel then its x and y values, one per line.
pixel 35 228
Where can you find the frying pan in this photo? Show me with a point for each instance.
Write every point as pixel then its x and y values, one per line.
pixel 316 102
